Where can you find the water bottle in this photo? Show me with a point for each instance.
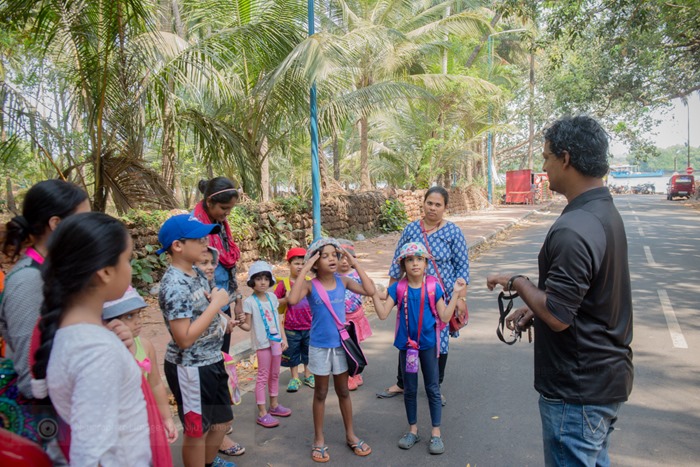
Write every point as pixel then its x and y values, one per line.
pixel 412 360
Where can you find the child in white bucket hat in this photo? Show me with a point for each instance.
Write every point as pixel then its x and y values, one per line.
pixel 128 309
pixel 267 340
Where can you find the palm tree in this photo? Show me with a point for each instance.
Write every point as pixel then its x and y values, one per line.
pixel 250 39
pixel 372 58
pixel 93 47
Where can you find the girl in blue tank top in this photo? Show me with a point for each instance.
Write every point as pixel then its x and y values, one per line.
pixel 326 356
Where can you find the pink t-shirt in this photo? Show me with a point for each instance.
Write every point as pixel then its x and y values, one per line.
pixel 297 317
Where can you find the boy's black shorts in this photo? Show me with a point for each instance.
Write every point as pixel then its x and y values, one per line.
pixel 202 396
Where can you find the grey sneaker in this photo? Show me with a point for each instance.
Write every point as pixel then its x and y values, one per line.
pixel 436 445
pixel 408 440
pixel 443 400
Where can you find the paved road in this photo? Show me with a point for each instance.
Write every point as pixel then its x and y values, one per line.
pixel 491 418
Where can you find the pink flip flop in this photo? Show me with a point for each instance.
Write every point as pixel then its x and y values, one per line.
pixel 267 420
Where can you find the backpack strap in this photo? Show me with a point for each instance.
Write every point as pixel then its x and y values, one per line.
pixel 432 282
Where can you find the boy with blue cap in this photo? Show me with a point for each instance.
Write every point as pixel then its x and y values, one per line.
pixel 194 364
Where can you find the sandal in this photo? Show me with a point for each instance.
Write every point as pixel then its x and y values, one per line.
pixel 386 394
pixel 280 411
pixel 235 450
pixel 293 385
pixel 310 381
pixel 323 450
pixel 408 440
pixel 436 445
pixel 267 420
pixel 360 448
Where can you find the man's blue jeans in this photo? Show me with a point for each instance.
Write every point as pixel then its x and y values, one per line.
pixel 575 434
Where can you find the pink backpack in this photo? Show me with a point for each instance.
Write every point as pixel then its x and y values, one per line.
pixel 431 285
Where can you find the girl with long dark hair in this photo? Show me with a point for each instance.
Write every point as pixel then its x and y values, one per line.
pixel 91 377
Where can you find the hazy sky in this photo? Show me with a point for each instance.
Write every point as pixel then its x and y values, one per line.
pixel 674 129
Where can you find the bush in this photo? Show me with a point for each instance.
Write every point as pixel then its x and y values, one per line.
pixel 142 269
pixel 292 205
pixel 149 219
pixel 393 217
pixel 241 221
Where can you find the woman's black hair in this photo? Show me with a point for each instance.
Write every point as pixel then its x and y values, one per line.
pixel 251 281
pixel 218 190
pixel 81 245
pixel 43 201
pixel 439 190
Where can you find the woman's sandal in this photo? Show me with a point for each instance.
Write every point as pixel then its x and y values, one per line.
pixel 360 448
pixel 323 450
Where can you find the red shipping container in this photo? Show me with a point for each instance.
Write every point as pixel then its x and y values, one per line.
pixel 519 187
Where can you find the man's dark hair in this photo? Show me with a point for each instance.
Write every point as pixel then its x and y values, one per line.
pixel 585 141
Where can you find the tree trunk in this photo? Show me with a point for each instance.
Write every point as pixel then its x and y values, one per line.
pixel 336 158
pixel 3 96
pixel 99 202
pixel 265 179
pixel 177 19
pixel 484 38
pixel 448 11
pixel 365 183
pixel 168 155
pixel 468 169
pixel 10 197
pixel 484 160
pixel 265 171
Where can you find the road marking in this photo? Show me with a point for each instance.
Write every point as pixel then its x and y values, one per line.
pixel 673 327
pixel 641 232
pixel 650 259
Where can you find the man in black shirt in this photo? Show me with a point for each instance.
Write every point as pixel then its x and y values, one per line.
pixel 582 305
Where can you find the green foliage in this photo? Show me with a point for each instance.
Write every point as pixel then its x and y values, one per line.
pixel 149 219
pixel 274 236
pixel 641 52
pixel 292 205
pixel 393 217
pixel 674 158
pixel 142 268
pixel 241 221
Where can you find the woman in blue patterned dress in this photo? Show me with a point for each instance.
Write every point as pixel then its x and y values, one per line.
pixel 448 246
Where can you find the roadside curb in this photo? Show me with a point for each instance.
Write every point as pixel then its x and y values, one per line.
pixel 486 238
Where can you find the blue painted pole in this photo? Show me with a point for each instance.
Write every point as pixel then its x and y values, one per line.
pixel 313 130
pixel 489 141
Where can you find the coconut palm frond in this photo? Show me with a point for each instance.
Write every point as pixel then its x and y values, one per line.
pixel 132 184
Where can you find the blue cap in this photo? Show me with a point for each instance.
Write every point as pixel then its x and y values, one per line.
pixel 183 226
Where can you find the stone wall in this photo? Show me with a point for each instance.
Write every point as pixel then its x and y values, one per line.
pixel 342 215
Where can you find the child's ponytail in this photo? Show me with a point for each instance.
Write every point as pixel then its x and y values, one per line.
pixel 81 245
pixel 47 199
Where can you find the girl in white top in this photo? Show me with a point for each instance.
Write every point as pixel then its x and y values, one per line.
pixel 267 340
pixel 91 377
